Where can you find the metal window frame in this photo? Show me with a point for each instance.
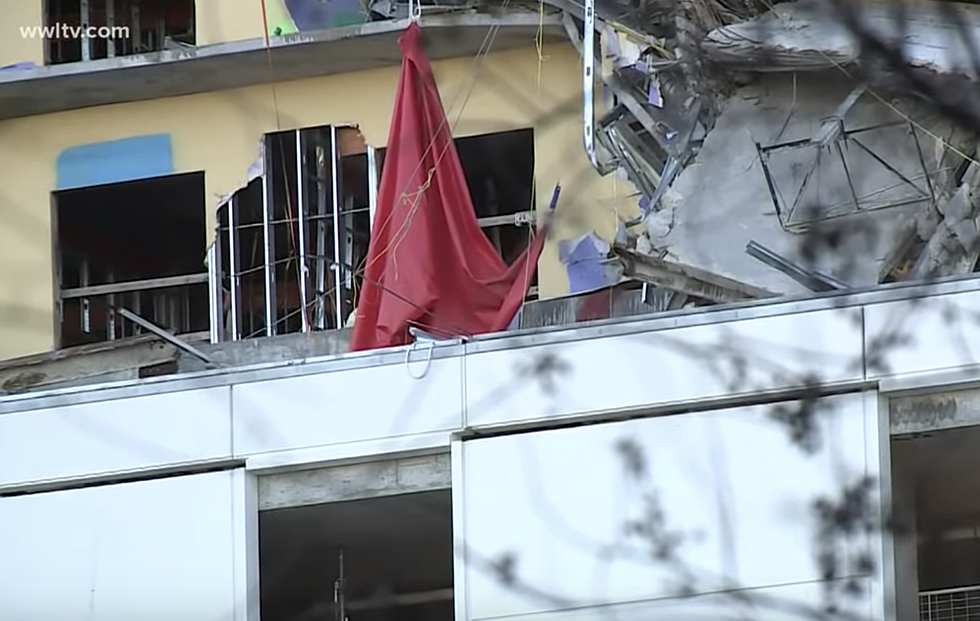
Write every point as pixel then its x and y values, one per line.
pixel 319 214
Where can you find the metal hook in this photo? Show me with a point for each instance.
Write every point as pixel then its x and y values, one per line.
pixel 428 360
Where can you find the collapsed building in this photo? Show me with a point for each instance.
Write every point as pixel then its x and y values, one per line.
pixel 236 243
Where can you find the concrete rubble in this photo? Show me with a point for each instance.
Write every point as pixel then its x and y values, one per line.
pixel 759 133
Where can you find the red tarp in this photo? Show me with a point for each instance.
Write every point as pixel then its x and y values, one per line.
pixel 429 263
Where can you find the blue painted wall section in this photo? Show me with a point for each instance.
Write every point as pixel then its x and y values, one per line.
pixel 115 161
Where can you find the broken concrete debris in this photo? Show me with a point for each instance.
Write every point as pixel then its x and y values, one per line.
pixel 739 172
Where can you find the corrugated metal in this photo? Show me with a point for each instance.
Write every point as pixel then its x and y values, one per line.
pixel 592 306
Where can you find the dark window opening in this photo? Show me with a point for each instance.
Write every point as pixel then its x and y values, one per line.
pixel 396 553
pixel 499 171
pixel 116 28
pixel 138 245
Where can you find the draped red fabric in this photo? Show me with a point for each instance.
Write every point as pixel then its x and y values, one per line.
pixel 429 263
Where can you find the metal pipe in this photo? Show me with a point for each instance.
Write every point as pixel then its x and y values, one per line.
pixel 269 242
pixel 214 291
pixel 234 270
pixel 372 170
pixel 304 299
pixel 335 199
pixel 812 280
pixel 588 82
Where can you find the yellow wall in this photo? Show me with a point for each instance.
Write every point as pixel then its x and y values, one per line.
pixel 219 132
pixel 221 21
pixel 14 46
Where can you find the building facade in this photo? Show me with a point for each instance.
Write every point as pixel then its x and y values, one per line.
pixel 183 433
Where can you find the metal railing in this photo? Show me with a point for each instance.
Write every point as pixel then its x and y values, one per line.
pixel 962 604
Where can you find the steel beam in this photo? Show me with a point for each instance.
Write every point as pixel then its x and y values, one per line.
pixel 216 299
pixel 134 285
pixel 304 298
pixel 373 181
pixel 336 197
pixel 269 241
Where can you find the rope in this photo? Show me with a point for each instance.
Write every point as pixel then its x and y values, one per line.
pixel 428 360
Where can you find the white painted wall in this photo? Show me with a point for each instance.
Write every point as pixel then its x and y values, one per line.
pixel 559 500
pixel 159 550
pixel 357 406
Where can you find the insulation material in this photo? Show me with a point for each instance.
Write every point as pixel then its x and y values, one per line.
pixel 430 265
pixel 586 259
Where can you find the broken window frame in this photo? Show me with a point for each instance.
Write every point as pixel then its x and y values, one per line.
pixel 835 141
pixel 170 296
pixel 311 245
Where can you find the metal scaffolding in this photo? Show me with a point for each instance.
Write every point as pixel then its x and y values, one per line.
pixel 303 228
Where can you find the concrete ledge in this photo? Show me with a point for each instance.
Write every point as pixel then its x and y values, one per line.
pixel 354 482
pixel 58 88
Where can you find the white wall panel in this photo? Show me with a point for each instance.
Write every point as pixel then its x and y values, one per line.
pixel 936 333
pixel 115 435
pixel 347 406
pixel 664 367
pixel 777 603
pixel 731 479
pixel 156 550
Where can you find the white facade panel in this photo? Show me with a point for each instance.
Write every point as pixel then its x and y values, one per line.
pixel 775 603
pixel 348 406
pixel 666 367
pixel 937 333
pixel 156 550
pixel 559 501
pixel 115 435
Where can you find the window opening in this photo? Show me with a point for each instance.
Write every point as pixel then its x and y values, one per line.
pixel 292 246
pixel 139 245
pixel 116 28
pixel 389 557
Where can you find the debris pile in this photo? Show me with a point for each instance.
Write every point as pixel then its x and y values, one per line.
pixel 763 165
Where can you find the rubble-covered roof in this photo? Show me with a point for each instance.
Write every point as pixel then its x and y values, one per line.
pixel 811 34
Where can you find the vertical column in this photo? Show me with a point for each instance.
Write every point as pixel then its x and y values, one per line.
pixel 321 238
pixel 304 298
pixel 336 197
pixel 86 20
pixel 110 22
pixel 110 315
pixel 84 281
pixel 269 241
pixel 234 270
pixel 135 33
pixel 372 171
pixel 214 287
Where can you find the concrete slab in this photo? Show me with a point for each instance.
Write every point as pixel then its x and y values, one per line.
pixel 391 477
pixel 57 88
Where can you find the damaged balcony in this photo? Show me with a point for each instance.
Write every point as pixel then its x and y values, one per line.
pixel 27 90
